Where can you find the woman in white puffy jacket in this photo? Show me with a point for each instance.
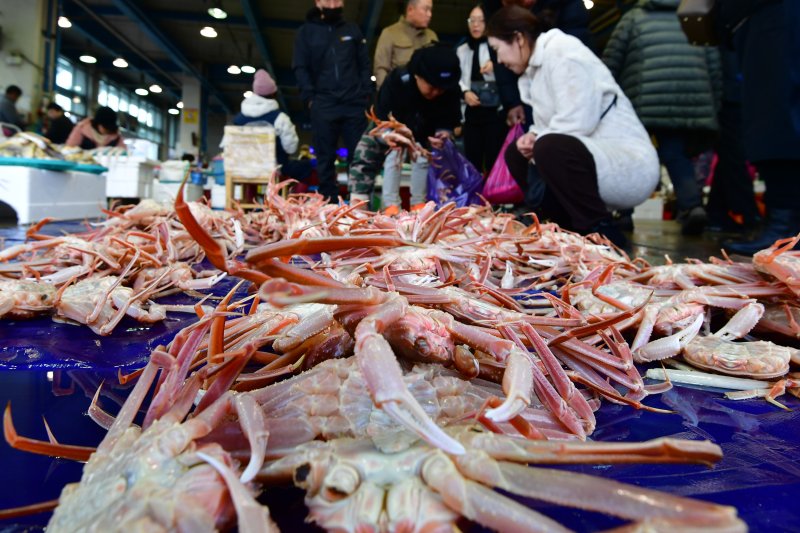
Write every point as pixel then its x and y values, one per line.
pixel 261 109
pixel 586 145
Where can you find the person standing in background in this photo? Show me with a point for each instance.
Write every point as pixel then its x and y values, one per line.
pixel 483 126
pixel 395 47
pixel 8 107
pixel 763 36
pixel 261 108
pixel 675 88
pixel 60 125
pixel 398 41
pixel 732 186
pixel 331 63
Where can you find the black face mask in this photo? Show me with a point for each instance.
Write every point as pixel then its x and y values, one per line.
pixel 331 14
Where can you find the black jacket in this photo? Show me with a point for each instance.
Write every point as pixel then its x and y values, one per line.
pixel 400 96
pixel 59 130
pixel 331 62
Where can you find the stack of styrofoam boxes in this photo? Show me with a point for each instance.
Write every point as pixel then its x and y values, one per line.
pixel 128 176
pixel 35 193
pixel 170 176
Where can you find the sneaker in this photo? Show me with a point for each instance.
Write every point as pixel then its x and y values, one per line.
pixel 693 221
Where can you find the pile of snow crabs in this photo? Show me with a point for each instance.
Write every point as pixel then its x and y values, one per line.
pixel 399 369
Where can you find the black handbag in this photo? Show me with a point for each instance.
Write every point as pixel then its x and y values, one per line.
pixel 698 21
pixel 487 93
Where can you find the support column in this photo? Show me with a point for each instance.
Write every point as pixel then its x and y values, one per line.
pixel 22 56
pixel 189 126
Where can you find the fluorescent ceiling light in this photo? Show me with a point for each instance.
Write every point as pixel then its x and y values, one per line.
pixel 588 4
pixel 247 69
pixel 209 32
pixel 88 59
pixel 248 94
pixel 173 111
pixel 142 92
pixel 217 12
pixel 233 69
pixel 63 22
pixel 179 105
pixel 120 63
pixel 155 88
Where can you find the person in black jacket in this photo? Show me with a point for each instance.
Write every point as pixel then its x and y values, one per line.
pixel 60 125
pixel 331 63
pixel 425 96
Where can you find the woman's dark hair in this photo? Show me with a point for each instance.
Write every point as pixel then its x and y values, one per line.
pixel 106 117
pixel 510 20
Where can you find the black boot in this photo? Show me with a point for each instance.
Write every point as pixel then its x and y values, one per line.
pixel 781 223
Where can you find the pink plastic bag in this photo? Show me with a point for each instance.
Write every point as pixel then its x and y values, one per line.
pixel 500 187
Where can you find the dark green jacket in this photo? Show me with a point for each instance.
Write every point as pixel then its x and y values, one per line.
pixel 671 83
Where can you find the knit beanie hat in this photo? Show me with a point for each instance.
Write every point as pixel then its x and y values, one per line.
pixel 263 84
pixel 438 65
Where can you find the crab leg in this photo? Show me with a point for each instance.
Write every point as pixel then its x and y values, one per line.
pixel 307 246
pixel 598 494
pixel 482 504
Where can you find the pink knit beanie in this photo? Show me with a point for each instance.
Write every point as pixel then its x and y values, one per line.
pixel 263 84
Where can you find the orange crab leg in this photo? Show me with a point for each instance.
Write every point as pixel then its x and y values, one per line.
pixel 67 451
pixel 27 510
pixel 306 246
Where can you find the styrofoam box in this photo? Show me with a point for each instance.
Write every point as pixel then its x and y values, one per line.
pixel 166 192
pixel 218 193
pixel 129 176
pixel 650 209
pixel 35 194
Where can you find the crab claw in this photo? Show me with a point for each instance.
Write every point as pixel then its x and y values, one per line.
pixel 384 379
pixel 517 380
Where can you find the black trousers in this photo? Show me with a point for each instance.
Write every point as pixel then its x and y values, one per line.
pixel 732 189
pixel 782 180
pixel 329 124
pixel 484 133
pixel 566 166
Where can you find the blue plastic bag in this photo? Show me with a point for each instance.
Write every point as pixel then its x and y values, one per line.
pixel 452 178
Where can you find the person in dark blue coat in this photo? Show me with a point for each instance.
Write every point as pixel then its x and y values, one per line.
pixel 771 139
pixel 331 63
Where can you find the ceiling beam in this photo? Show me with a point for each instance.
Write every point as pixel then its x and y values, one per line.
pixel 91 32
pixel 135 13
pixel 252 14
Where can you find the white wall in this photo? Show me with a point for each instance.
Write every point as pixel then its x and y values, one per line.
pixel 22 23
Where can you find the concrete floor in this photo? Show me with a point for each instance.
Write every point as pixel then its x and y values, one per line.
pixel 653 239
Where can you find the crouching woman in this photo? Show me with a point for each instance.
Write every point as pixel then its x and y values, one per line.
pixel 587 152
